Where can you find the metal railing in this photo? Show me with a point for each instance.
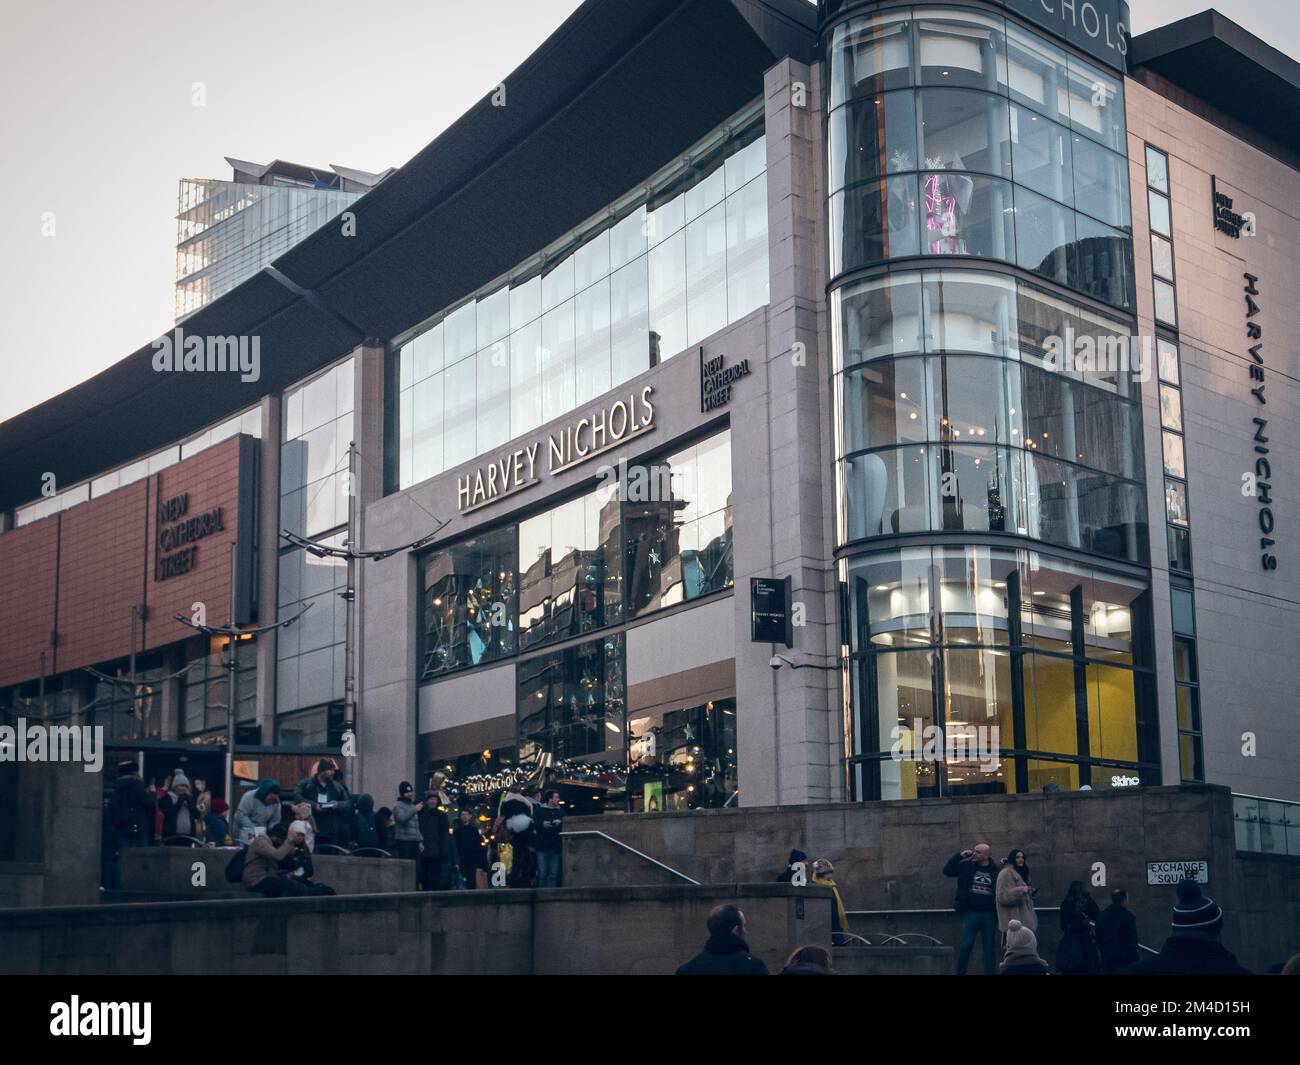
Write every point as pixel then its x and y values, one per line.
pixel 1266 826
pixel 619 843
pixel 934 912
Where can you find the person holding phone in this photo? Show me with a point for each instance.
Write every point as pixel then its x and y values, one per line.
pixel 330 803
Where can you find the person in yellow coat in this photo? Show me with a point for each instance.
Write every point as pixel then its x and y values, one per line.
pixel 822 872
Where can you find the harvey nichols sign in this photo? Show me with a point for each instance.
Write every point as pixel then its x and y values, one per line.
pixel 591 435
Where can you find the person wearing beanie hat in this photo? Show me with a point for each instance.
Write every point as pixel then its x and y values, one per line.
pixel 1021 958
pixel 823 872
pixel 331 803
pixel 1194 948
pixel 406 817
pixel 216 829
pixel 180 816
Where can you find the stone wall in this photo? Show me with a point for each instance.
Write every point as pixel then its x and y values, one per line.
pixel 53 835
pixel 889 855
pixel 605 931
pixel 170 870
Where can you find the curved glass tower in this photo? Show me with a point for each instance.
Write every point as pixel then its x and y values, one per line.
pixel 992 531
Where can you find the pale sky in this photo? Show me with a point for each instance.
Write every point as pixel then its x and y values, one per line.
pixel 98 127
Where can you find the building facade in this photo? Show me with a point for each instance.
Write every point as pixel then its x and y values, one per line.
pixel 958 331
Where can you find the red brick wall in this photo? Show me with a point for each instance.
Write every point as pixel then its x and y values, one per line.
pixel 212 480
pixel 105 552
pixel 101 574
pixel 28 558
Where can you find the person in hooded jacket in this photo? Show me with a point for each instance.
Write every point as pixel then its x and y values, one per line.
pixel 725 953
pixel 216 829
pixel 1077 954
pixel 130 817
pixel 1015 896
pixel 363 817
pixel 1021 957
pixel 797 857
pixel 1194 948
pixel 437 865
pixel 259 809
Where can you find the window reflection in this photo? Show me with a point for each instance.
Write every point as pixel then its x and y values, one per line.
pixel 468 603
pixel 682 759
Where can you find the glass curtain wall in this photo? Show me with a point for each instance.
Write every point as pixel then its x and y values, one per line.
pixel 668 272
pixel 314 503
pixel 957 133
pixel 661 538
pixel 971 405
pixel 982 670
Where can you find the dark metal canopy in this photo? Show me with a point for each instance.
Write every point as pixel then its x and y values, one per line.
pixel 617 92
pixel 1215 60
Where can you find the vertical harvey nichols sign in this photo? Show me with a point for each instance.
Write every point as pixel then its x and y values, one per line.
pixel 1263 466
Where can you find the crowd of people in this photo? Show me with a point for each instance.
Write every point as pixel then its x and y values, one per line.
pixel 996 903
pixel 454 842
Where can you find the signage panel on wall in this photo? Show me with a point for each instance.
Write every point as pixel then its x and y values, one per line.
pixel 1098 27
pixel 769 611
pixel 1172 872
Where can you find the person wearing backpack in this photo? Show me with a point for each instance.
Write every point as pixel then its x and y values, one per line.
pixel 363 822
pixel 131 813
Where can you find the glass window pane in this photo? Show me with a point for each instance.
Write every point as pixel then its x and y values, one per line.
pixel 627 239
pixel 1183 613
pixel 1100 182
pixel 1185 660
pixel 977 714
pixel 591 342
pixel 525 301
pixel 967 311
pixel 1167 360
pixel 468 603
pixel 427 352
pixel 1189 712
pixel 319 402
pixel 878 317
pixel 1044 235
pixel 747 267
pixel 557 283
pixel 668 298
pixel 1096 105
pixel 526 378
pixel 871 138
pixel 493 314
pixel 975 489
pixel 1162 257
pixel 746 164
pixel 1112 713
pixel 1176 502
pixel 1157 170
pixel 970 400
pixel 873 223
pixel 591 261
pixel 427 429
pixel 708 191
pixel 1050 720
pixel 558 370
pixel 460 400
pixel 664 219
pixel 963 49
pixel 883 403
pixel 493 396
pixel 899 707
pixel 460 334
pixel 1171 408
pixel 630 320
pixel 962 130
pixel 1037 73
pixel 1158 210
pixel 706 274
pixel 1041 155
pixel 967 215
pixel 870 54
pixel 1101 263
pixel 889 599
pixel 1175 464
pixel 1180 548
pixel 885 492
pixel 1166 307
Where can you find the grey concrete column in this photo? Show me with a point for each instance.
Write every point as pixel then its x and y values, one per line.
pixel 368 435
pixel 268 561
pixel 789 726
